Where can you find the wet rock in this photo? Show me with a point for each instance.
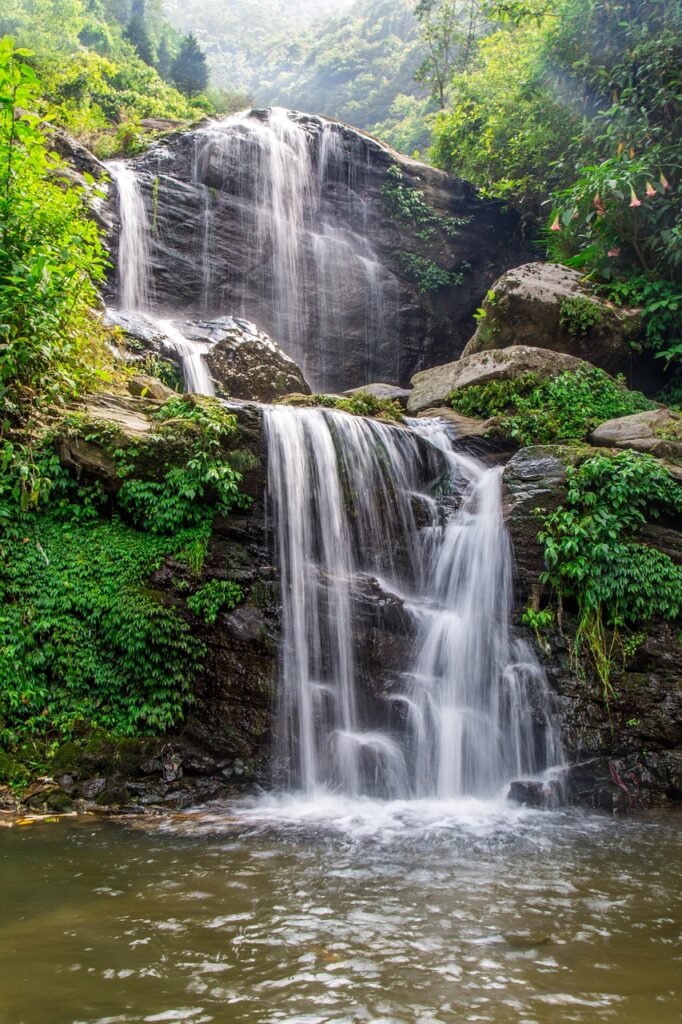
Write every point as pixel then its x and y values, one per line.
pixel 142 334
pixel 91 789
pixel 432 387
pixel 536 793
pixel 141 385
pixel 540 304
pixel 245 363
pixel 609 797
pixel 341 294
pixel 75 153
pixel 464 426
pixel 657 432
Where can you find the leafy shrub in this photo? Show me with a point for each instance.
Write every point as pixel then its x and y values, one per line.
pixel 578 315
pixel 82 634
pixel 195 482
pixel 51 257
pixel 430 276
pixel 216 594
pixel 594 557
pixel 557 409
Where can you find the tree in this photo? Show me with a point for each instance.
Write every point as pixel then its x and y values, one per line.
pixel 137 34
pixel 449 29
pixel 164 59
pixel 189 71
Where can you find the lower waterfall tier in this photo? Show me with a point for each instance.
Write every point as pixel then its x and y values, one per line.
pixel 354 498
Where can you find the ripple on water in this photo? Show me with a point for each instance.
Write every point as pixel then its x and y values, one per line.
pixel 294 911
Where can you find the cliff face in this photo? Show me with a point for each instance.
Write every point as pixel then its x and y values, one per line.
pixel 639 733
pixel 319 235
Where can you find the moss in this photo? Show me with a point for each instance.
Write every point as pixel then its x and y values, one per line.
pixel 67 757
pixel 114 796
pixel 59 802
pixel 362 403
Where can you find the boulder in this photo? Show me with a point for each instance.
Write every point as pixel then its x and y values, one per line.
pixel 141 385
pixel 656 432
pixel 432 387
pixel 388 391
pixel 245 363
pixel 549 306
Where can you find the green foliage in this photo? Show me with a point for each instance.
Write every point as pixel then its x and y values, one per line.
pixel 578 104
pixel 449 30
pixel 405 202
pixel 429 276
pixel 353 60
pixel 95 66
pixel 661 305
pixel 82 634
pixel 51 257
pixel 211 598
pixel 504 127
pixel 180 475
pixel 556 409
pixel 578 315
pixel 594 557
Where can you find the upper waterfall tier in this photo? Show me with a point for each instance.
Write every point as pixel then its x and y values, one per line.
pixel 291 221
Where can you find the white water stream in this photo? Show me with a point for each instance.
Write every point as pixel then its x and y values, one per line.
pixel 134 277
pixel 471 710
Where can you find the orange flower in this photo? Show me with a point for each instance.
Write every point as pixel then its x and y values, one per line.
pixel 634 201
pixel 650 190
pixel 664 181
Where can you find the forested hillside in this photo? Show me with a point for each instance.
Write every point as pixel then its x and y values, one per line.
pixel 355 62
pixel 106 68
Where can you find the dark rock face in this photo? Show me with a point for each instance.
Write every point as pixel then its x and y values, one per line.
pixel 282 220
pixel 628 754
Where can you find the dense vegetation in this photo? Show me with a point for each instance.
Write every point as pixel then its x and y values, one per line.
pixel 355 61
pixel 84 637
pixel 595 557
pixel 571 113
pixel 552 410
pixel 107 67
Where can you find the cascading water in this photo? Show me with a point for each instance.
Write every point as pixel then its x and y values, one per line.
pixel 350 499
pixel 134 288
pixel 313 274
pixel 133 241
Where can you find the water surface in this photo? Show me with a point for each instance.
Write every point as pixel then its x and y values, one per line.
pixel 342 912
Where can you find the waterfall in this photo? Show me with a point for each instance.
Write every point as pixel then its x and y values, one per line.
pixel 194 370
pixel 134 288
pixel 471 710
pixel 311 281
pixel 133 241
